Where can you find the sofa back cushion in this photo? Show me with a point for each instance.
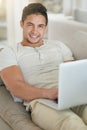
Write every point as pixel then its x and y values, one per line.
pixel 79 45
pixel 73 34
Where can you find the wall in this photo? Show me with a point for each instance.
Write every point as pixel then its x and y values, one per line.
pixel 13 13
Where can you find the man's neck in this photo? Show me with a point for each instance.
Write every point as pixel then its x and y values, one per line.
pixel 25 43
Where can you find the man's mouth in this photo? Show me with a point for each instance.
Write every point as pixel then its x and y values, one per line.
pixel 34 36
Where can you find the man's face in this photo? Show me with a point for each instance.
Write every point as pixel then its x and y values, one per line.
pixel 34 28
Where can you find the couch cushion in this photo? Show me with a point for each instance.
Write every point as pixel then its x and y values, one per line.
pixel 14 113
pixel 73 34
pixel 79 45
pixel 4 125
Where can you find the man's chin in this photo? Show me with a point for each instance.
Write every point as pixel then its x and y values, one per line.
pixel 34 41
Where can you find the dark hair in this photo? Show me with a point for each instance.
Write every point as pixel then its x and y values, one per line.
pixel 34 8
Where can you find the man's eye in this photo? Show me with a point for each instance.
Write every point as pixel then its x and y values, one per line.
pixel 30 25
pixel 41 26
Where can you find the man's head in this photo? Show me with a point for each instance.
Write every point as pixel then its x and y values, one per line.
pixel 34 24
pixel 34 8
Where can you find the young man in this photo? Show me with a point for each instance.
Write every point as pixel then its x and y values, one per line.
pixel 34 64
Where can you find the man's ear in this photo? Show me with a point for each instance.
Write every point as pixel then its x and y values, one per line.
pixel 21 24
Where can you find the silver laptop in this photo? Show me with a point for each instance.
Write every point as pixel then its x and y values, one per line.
pixel 72 85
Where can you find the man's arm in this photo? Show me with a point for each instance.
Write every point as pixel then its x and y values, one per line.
pixel 13 79
pixel 68 60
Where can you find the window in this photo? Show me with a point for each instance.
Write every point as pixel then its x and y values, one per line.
pixel 3 34
pixel 3 10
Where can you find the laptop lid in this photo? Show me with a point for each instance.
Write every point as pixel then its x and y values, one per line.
pixel 72 84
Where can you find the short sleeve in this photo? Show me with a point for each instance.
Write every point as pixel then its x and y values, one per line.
pixel 7 57
pixel 66 52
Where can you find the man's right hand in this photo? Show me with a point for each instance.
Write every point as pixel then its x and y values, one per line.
pixel 51 93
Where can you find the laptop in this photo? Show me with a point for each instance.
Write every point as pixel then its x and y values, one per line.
pixel 72 86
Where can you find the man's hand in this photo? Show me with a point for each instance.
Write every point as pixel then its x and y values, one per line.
pixel 51 93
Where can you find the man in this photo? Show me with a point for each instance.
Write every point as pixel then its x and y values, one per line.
pixel 34 64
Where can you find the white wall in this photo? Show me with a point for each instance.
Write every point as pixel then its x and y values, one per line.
pixel 67 7
pixel 84 4
pixel 80 4
pixel 14 12
pixel 80 11
pixel 70 5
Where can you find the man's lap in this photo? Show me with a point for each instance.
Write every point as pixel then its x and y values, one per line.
pixel 51 119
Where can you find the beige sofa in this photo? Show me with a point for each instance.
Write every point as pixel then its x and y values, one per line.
pixel 13 115
pixel 72 33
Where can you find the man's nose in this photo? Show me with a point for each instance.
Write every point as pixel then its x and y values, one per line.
pixel 35 29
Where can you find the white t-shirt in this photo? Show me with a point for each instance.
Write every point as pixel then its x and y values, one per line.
pixel 39 65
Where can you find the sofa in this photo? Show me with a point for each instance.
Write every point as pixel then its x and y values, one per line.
pixel 72 33
pixel 13 115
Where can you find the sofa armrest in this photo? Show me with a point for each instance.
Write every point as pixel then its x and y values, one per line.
pixel 4 125
pixel 14 113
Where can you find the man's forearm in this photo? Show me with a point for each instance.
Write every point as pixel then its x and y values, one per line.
pixel 28 92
